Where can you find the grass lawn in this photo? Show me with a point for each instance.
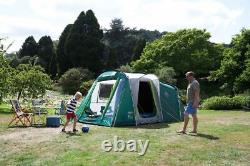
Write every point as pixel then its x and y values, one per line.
pixel 224 139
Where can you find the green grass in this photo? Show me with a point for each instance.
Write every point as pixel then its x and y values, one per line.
pixel 223 140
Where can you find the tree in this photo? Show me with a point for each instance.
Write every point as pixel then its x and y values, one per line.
pixel 166 74
pixel 72 79
pixel 29 81
pixel 62 58
pixel 83 45
pixel 126 44
pixel 47 56
pixel 29 47
pixel 5 77
pixel 234 71
pixel 184 50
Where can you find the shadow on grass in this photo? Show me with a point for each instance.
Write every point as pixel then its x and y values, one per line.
pixel 149 126
pixel 211 137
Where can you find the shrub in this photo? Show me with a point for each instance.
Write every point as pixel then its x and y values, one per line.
pixel 71 80
pixel 166 74
pixel 86 86
pixel 226 103
pixel 126 68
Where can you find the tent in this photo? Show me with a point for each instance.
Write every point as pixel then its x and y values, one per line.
pixel 122 99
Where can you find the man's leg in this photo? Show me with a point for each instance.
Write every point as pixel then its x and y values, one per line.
pixel 186 119
pixel 195 123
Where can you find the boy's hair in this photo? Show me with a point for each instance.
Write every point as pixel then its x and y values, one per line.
pixel 78 94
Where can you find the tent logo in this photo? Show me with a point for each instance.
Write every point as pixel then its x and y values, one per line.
pixel 120 145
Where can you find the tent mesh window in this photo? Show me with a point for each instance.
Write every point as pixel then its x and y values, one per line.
pixel 104 91
pixel 146 105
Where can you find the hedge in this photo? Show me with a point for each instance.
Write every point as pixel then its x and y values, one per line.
pixel 226 103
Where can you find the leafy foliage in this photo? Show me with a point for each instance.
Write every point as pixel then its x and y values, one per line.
pixel 29 47
pixel 234 71
pixel 126 68
pixel 184 50
pixel 5 74
pixel 62 58
pixel 126 44
pixel 47 56
pixel 83 44
pixel 85 86
pixel 29 81
pixel 72 79
pixel 226 103
pixel 166 74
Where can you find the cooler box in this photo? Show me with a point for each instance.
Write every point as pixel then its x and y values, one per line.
pixel 53 121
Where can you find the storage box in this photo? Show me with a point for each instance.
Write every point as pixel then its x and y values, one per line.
pixel 53 121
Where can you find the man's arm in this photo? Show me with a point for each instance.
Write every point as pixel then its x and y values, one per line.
pixel 196 99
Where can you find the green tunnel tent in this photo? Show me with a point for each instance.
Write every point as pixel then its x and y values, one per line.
pixel 122 99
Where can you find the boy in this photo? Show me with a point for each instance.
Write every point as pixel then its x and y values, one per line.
pixel 70 113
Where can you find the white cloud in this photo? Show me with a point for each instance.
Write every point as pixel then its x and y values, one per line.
pixel 49 17
pixel 7 2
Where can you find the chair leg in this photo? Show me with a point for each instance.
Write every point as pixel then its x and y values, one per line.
pixel 28 118
pixel 14 118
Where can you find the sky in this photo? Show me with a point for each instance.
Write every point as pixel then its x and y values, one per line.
pixel 22 18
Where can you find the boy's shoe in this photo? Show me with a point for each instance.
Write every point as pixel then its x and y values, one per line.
pixel 63 130
pixel 74 130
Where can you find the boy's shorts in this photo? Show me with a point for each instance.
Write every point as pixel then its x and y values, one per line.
pixel 70 115
pixel 190 110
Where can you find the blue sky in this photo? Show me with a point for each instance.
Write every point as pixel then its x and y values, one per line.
pixel 222 18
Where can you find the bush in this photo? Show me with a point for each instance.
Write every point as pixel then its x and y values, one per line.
pixel 126 68
pixel 166 74
pixel 84 88
pixel 71 80
pixel 226 103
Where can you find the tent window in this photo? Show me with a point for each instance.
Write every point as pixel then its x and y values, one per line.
pixel 146 104
pixel 104 91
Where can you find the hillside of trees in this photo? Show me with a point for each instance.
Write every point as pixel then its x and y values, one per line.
pixel 84 47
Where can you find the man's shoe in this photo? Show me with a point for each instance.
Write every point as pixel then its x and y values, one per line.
pixel 193 132
pixel 63 130
pixel 181 132
pixel 74 130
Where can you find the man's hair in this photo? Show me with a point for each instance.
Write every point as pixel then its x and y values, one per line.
pixel 190 73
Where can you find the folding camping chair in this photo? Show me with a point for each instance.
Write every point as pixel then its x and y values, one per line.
pixel 39 113
pixel 20 114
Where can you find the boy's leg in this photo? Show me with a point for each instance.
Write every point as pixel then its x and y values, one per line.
pixel 74 125
pixel 66 123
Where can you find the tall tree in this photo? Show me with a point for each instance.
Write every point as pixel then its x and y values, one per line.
pixel 83 44
pixel 47 56
pixel 62 58
pixel 187 49
pixel 29 47
pixel 234 71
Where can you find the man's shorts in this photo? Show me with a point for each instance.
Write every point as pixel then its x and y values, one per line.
pixel 190 110
pixel 70 115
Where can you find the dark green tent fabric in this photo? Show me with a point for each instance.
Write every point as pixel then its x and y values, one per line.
pixel 125 111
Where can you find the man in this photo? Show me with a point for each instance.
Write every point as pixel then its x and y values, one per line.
pixel 193 99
